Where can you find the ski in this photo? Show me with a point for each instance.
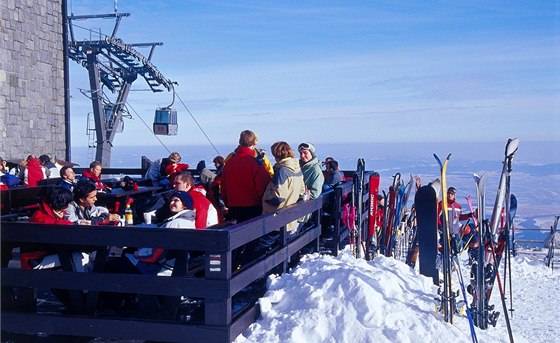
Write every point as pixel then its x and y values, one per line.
pixel 402 236
pixel 371 246
pixel 496 240
pixel 382 223
pixel 391 215
pixel 358 205
pixel 447 294
pixel 513 209
pixel 478 306
pixel 412 253
pixel 503 186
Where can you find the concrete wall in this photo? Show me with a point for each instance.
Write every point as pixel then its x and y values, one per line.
pixel 31 79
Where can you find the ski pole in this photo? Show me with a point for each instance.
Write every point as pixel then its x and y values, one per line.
pixel 504 306
pixel 469 314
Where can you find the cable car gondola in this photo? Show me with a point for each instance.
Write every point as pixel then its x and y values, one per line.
pixel 165 121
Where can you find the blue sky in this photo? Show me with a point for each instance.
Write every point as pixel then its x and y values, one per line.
pixel 341 71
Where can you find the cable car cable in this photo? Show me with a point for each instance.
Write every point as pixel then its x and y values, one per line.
pixel 146 125
pixel 200 127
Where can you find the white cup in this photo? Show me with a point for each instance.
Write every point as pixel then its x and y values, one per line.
pixel 148 218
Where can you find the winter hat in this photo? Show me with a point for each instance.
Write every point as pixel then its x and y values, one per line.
pixel 201 165
pixel 451 190
pixel 185 197
pixel 307 146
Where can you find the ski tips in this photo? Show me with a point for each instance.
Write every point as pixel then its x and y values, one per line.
pixel 511 146
pixel 439 160
pixel 479 178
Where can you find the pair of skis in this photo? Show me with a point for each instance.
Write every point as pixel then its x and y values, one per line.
pixel 493 242
pixel 551 241
pixel 356 227
pixel 426 209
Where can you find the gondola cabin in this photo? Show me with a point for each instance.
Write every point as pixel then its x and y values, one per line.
pixel 165 122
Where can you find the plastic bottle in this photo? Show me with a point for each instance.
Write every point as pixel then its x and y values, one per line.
pixel 128 216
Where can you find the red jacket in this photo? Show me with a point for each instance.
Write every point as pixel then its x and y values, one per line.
pixel 173 169
pixel 34 172
pixel 44 215
pixel 244 179
pixel 201 205
pixel 454 216
pixel 98 184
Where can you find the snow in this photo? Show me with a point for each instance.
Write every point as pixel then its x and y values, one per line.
pixel 344 299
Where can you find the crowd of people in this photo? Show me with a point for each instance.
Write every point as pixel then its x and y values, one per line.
pixel 243 185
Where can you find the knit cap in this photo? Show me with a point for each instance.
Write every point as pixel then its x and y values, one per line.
pixel 201 165
pixel 185 197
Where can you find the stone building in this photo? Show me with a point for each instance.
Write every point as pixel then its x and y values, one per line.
pixel 32 87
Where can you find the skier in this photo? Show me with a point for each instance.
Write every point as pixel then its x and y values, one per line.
pixel 455 216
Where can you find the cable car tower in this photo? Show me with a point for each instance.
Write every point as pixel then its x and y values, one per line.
pixel 115 65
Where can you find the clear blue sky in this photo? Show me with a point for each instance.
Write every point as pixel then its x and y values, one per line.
pixel 341 71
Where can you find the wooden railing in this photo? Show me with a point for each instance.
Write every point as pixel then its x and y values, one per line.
pixel 216 285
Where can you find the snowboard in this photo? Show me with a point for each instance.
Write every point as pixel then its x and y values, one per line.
pixel 425 203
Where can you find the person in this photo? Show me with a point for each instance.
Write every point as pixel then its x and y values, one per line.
pixel 244 179
pixel 311 169
pixel 7 180
pixel 157 172
pixel 454 215
pixel 325 164
pixel 286 186
pixel 206 175
pixel 19 170
pixel 154 260
pixel 4 167
pixel 67 178
pixel 33 172
pixel 52 211
pixel 206 214
pixel 50 170
pixel 83 210
pixel 218 164
pixel 94 174
pixel 214 193
pixel 334 174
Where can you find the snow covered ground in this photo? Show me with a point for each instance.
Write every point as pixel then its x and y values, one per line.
pixel 343 299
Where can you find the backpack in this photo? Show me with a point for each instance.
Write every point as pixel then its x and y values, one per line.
pixel 10 180
pixel 129 184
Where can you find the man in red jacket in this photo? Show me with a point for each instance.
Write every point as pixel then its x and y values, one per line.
pixel 206 214
pixel 244 180
pixel 94 174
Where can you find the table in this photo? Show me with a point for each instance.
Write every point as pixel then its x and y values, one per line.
pixel 118 197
